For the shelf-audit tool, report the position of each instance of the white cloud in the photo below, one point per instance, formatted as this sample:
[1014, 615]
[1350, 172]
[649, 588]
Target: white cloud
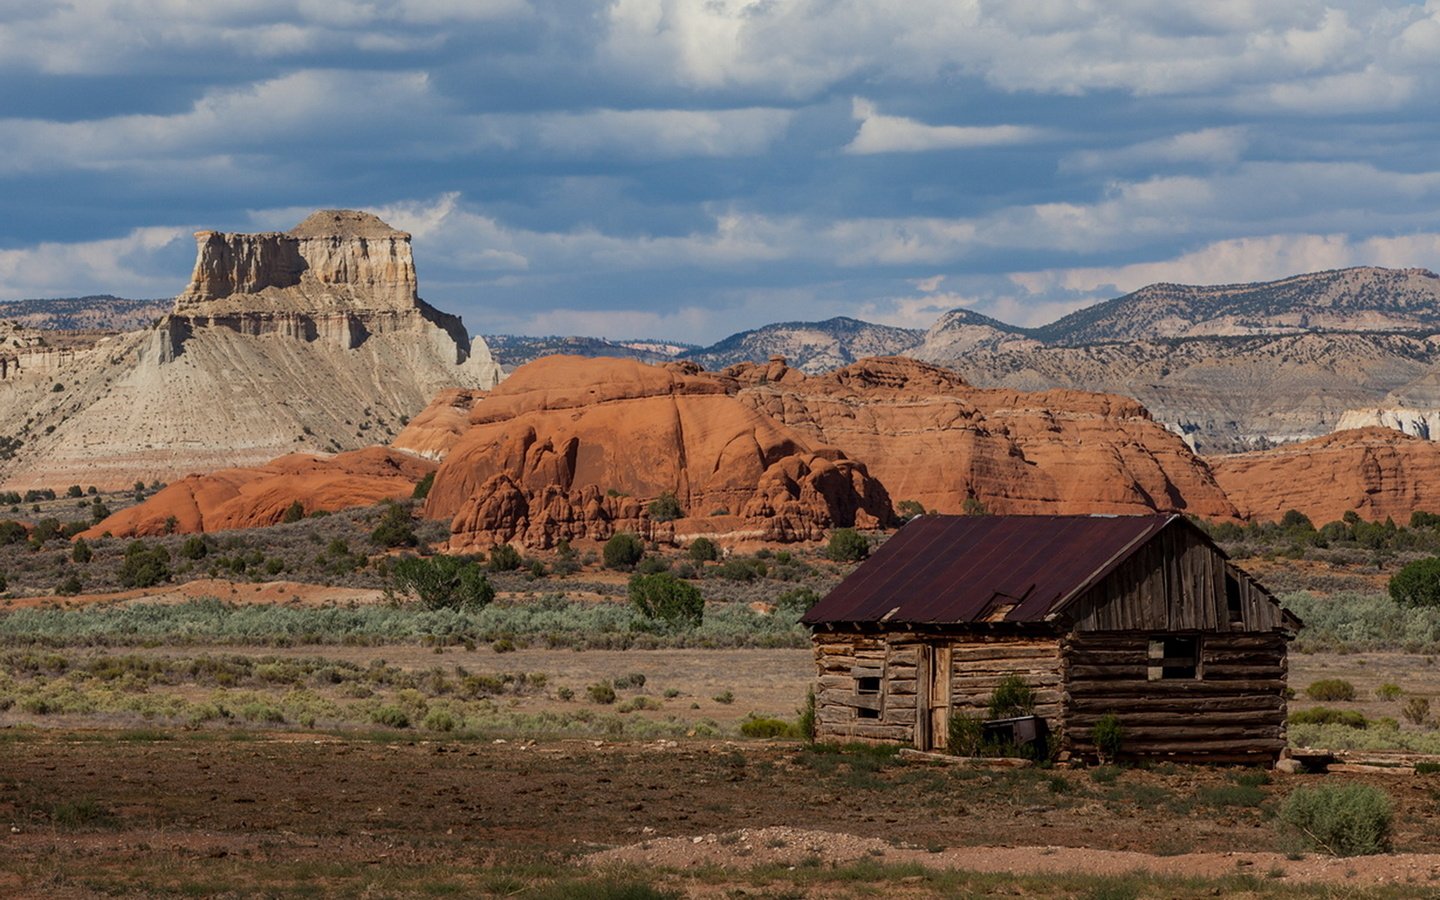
[894, 134]
[126, 266]
[638, 133]
[1261, 258]
[1223, 146]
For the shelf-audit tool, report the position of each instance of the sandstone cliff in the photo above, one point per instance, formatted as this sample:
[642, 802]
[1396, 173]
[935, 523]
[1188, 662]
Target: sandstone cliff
[313, 340]
[930, 437]
[253, 497]
[569, 448]
[1377, 472]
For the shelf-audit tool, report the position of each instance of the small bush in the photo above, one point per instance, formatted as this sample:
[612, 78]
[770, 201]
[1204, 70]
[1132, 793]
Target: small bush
[390, 717]
[665, 508]
[703, 550]
[623, 551]
[1012, 697]
[805, 724]
[1417, 584]
[847, 545]
[395, 529]
[652, 564]
[663, 597]
[440, 720]
[144, 565]
[966, 735]
[1108, 735]
[766, 727]
[1331, 690]
[443, 582]
[796, 602]
[504, 558]
[1416, 710]
[422, 489]
[1342, 820]
[70, 586]
[1324, 715]
[81, 552]
[194, 548]
[724, 698]
[633, 680]
[295, 512]
[601, 692]
[1388, 691]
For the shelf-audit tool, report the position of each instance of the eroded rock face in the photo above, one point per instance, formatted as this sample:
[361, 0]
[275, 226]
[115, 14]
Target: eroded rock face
[1377, 472]
[571, 448]
[334, 261]
[310, 340]
[929, 437]
[257, 496]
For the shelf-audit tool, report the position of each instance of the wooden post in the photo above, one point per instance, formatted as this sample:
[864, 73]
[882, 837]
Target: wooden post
[924, 681]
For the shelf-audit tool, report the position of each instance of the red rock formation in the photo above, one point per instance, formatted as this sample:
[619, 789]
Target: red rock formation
[571, 448]
[1377, 472]
[435, 430]
[260, 495]
[930, 437]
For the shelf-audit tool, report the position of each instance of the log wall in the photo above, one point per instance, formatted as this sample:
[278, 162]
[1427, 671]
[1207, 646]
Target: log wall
[977, 665]
[1233, 711]
[1175, 582]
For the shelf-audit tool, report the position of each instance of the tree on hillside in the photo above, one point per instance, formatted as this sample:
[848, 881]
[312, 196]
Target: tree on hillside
[1417, 584]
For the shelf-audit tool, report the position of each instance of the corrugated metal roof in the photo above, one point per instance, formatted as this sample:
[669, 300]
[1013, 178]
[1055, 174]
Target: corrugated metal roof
[953, 569]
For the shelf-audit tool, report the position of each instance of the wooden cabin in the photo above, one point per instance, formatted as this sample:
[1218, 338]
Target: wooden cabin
[1140, 616]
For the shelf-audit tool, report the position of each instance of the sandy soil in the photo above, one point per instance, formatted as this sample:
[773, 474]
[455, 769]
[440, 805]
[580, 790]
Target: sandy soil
[749, 847]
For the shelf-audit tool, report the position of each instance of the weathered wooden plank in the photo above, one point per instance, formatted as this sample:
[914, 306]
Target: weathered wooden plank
[1171, 688]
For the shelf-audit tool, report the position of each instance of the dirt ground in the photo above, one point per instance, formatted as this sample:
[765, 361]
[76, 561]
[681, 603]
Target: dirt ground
[89, 812]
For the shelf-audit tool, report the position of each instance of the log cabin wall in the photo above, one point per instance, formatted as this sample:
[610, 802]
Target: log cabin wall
[1176, 582]
[1232, 710]
[871, 686]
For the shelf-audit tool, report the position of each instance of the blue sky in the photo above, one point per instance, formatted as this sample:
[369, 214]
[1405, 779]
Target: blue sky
[690, 169]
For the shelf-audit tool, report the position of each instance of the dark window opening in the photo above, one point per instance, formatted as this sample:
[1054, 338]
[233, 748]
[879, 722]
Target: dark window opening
[1174, 658]
[1232, 600]
[863, 713]
[869, 684]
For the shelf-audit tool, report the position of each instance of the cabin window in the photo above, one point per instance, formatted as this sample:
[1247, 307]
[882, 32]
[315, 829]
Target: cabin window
[1174, 658]
[867, 686]
[1232, 600]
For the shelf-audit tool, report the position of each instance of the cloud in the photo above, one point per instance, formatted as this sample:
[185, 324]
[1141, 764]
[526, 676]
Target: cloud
[139, 264]
[638, 133]
[1221, 146]
[894, 134]
[1262, 258]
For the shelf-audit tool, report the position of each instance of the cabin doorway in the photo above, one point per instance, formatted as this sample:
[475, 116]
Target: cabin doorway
[932, 701]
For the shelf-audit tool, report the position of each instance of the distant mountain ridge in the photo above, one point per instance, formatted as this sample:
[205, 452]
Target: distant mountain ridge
[99, 312]
[812, 347]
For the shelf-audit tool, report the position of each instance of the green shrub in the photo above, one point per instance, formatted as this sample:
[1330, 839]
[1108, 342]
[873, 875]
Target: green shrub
[443, 582]
[422, 489]
[295, 512]
[1417, 584]
[194, 547]
[70, 586]
[796, 602]
[966, 735]
[601, 692]
[847, 545]
[766, 727]
[390, 716]
[504, 558]
[81, 552]
[623, 551]
[1340, 819]
[909, 509]
[12, 532]
[144, 565]
[665, 508]
[703, 550]
[1388, 691]
[1331, 690]
[394, 529]
[805, 724]
[739, 570]
[1324, 715]
[440, 720]
[725, 698]
[1108, 735]
[652, 564]
[1012, 697]
[665, 598]
[74, 491]
[632, 680]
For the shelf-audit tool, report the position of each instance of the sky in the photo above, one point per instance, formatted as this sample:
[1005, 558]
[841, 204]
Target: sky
[685, 170]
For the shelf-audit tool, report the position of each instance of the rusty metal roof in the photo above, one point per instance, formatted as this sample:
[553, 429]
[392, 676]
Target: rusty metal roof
[952, 569]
